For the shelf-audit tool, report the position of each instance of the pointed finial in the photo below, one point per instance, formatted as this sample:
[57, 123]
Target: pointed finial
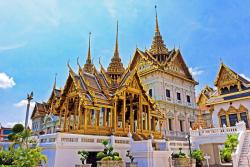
[221, 61]
[79, 66]
[88, 61]
[156, 21]
[69, 65]
[54, 87]
[100, 60]
[116, 54]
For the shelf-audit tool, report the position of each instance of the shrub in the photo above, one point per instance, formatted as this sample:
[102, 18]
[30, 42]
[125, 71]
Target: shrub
[6, 157]
[107, 153]
[107, 158]
[100, 155]
[198, 155]
[83, 156]
[18, 128]
[229, 147]
[23, 155]
[130, 156]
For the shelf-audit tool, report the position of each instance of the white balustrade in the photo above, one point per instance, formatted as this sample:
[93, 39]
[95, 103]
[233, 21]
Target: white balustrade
[74, 138]
[239, 129]
[219, 131]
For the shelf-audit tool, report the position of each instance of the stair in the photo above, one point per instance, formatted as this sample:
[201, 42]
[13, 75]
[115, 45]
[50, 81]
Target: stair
[243, 162]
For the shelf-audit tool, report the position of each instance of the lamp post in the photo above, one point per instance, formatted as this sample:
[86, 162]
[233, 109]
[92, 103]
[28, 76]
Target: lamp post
[29, 98]
[189, 146]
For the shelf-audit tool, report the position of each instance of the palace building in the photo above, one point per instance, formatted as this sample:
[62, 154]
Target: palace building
[224, 110]
[169, 82]
[105, 102]
[229, 102]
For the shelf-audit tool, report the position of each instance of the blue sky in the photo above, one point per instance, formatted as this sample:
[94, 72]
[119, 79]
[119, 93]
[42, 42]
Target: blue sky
[37, 38]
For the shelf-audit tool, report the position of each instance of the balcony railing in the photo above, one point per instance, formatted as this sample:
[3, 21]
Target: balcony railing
[219, 131]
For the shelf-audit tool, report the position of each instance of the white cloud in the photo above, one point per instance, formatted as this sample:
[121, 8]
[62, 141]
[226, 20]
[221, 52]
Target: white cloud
[196, 71]
[244, 76]
[6, 81]
[116, 9]
[23, 103]
[12, 46]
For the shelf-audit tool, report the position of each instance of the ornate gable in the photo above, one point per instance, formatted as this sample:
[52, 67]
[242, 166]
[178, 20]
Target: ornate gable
[225, 77]
[202, 100]
[178, 65]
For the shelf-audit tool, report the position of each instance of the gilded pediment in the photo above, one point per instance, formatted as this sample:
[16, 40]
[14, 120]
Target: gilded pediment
[226, 78]
[202, 100]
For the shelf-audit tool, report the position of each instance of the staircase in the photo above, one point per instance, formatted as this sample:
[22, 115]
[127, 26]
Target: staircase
[243, 162]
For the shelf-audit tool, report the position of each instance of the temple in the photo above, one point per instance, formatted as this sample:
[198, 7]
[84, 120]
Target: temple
[105, 102]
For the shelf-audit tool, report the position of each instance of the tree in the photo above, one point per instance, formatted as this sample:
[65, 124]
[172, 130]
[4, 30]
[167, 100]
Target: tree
[24, 152]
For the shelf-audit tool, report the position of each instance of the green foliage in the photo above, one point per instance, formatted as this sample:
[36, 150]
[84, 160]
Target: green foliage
[117, 158]
[130, 156]
[24, 155]
[198, 155]
[105, 142]
[100, 155]
[179, 155]
[6, 157]
[83, 156]
[107, 153]
[28, 157]
[107, 158]
[229, 147]
[18, 128]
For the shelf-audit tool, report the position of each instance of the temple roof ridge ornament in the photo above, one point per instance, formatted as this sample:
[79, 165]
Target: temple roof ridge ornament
[158, 47]
[88, 66]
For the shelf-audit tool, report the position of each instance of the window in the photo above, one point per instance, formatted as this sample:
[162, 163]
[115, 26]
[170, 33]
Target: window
[181, 125]
[167, 93]
[101, 116]
[170, 124]
[233, 119]
[191, 124]
[178, 96]
[150, 92]
[223, 120]
[188, 99]
[243, 117]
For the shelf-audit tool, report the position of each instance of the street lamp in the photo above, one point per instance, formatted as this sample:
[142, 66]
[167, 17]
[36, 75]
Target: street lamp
[189, 146]
[29, 98]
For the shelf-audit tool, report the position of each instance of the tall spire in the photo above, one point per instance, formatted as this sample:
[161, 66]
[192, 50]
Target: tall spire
[158, 47]
[157, 30]
[88, 61]
[88, 66]
[54, 86]
[115, 68]
[116, 53]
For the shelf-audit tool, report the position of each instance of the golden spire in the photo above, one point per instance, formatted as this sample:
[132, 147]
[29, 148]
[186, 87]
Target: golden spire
[88, 66]
[116, 53]
[54, 86]
[115, 68]
[156, 21]
[158, 47]
[88, 61]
